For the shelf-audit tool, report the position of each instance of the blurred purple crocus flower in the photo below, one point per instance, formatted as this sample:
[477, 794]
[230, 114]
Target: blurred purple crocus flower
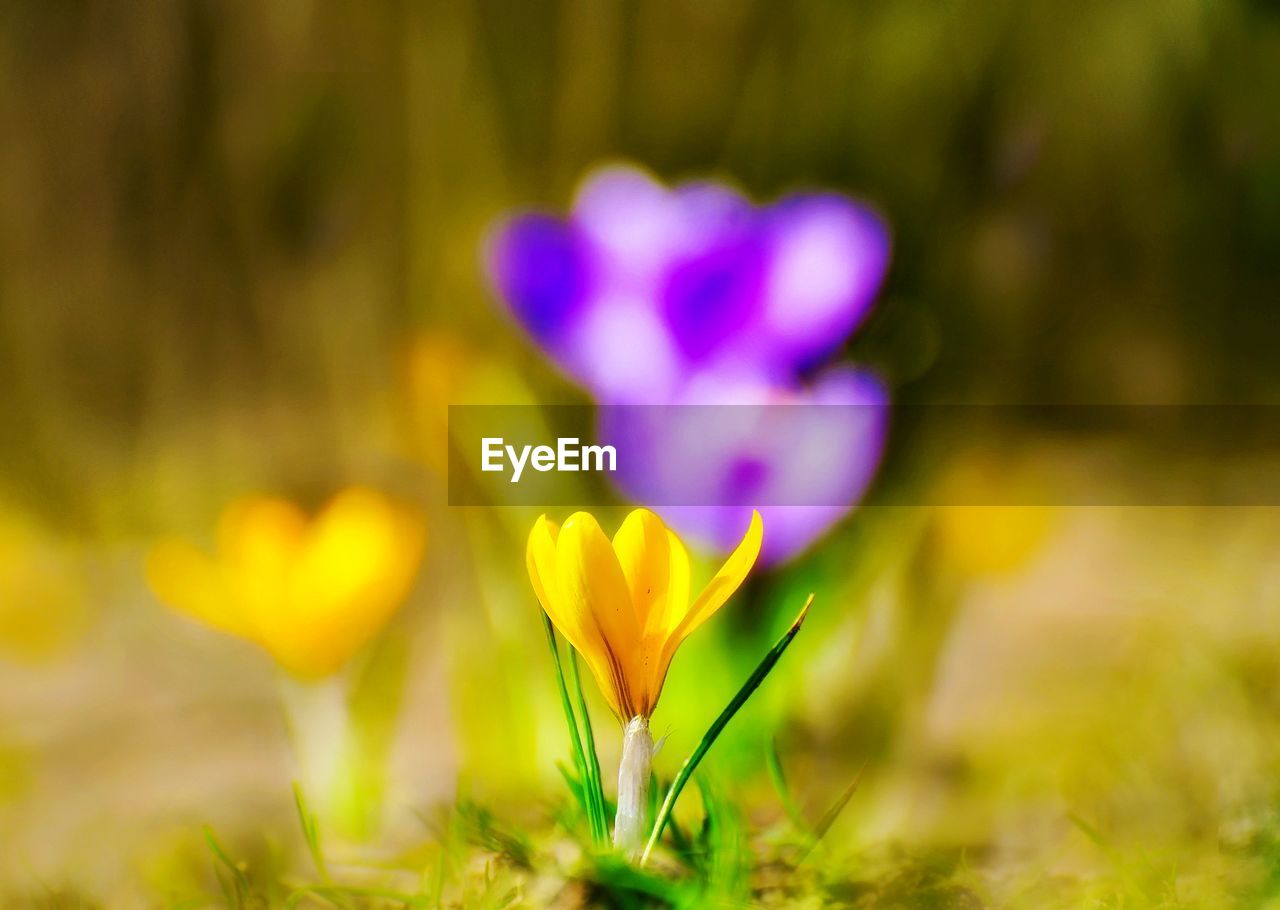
[643, 287]
[692, 295]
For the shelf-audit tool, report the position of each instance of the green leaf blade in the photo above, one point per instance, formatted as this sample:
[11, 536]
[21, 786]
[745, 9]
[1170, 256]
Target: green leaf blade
[753, 682]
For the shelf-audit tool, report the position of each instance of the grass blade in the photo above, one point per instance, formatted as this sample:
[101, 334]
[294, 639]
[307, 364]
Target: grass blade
[773, 761]
[599, 831]
[310, 831]
[575, 741]
[238, 891]
[717, 726]
[829, 817]
[592, 784]
[572, 782]
[1138, 887]
[618, 883]
[724, 862]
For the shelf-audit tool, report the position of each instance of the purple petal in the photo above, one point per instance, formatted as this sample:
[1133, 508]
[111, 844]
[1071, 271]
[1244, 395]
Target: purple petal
[542, 269]
[828, 258]
[711, 296]
[632, 220]
[709, 210]
[705, 466]
[624, 354]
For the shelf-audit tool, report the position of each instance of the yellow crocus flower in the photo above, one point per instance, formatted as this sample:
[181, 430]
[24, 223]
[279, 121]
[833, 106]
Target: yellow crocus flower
[312, 592]
[624, 605]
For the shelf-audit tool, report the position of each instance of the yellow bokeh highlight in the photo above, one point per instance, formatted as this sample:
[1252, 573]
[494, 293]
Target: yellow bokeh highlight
[992, 540]
[312, 592]
[443, 369]
[42, 602]
[992, 523]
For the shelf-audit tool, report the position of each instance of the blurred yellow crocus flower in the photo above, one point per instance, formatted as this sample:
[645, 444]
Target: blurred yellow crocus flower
[624, 605]
[312, 592]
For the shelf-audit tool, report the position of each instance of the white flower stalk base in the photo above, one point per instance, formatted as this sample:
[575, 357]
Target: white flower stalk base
[631, 827]
[319, 723]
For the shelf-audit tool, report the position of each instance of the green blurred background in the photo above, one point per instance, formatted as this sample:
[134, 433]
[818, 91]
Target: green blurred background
[220, 221]
[227, 229]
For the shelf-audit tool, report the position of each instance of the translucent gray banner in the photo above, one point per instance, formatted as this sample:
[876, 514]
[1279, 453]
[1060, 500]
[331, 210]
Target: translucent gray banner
[841, 455]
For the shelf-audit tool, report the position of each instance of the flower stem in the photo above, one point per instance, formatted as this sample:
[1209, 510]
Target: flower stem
[631, 824]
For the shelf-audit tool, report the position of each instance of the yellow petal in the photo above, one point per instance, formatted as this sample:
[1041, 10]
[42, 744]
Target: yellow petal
[722, 586]
[258, 544]
[644, 554]
[656, 656]
[260, 533]
[593, 590]
[190, 582]
[656, 567]
[540, 557]
[579, 630]
[678, 581]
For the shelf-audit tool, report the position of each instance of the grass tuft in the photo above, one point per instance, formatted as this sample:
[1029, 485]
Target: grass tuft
[234, 881]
